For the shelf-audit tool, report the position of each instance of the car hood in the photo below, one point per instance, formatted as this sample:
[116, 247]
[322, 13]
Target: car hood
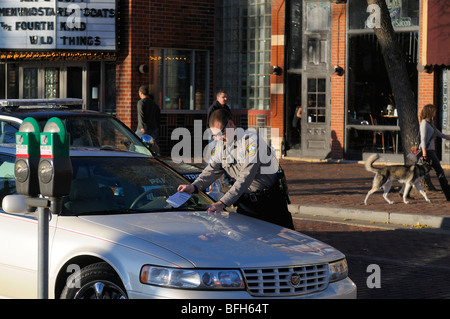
[224, 240]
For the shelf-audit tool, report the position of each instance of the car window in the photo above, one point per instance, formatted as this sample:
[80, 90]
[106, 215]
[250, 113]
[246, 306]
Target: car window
[102, 132]
[110, 185]
[87, 131]
[8, 130]
[7, 181]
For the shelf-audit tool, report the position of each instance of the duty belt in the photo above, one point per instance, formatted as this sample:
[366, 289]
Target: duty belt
[253, 196]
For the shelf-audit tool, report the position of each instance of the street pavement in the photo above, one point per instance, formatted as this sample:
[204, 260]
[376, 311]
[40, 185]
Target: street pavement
[338, 189]
[412, 256]
[413, 263]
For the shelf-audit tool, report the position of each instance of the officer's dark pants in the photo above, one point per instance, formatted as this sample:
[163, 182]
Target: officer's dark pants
[270, 206]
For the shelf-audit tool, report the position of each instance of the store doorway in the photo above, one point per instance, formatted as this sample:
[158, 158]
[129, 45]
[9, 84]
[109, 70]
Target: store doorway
[316, 116]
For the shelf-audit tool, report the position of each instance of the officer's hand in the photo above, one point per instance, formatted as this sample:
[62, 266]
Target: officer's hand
[186, 189]
[217, 207]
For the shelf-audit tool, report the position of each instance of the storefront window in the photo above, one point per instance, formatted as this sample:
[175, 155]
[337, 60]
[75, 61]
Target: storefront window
[370, 93]
[243, 47]
[12, 74]
[404, 13]
[51, 83]
[110, 88]
[2, 83]
[30, 83]
[295, 33]
[179, 78]
[372, 115]
[94, 86]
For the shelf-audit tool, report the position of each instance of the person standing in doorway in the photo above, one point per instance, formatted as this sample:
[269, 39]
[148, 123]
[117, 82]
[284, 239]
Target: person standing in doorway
[148, 114]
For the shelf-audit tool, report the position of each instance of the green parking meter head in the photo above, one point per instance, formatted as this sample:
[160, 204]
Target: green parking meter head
[54, 139]
[27, 138]
[27, 158]
[55, 167]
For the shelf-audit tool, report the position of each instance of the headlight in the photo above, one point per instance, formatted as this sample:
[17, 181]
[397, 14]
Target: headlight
[192, 278]
[338, 270]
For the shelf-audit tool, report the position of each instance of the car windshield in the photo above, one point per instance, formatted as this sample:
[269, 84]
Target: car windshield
[88, 132]
[120, 185]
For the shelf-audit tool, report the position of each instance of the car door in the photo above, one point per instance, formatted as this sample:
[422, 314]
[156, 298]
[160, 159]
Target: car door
[18, 242]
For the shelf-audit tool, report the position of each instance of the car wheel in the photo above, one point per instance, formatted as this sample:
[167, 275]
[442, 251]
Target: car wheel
[96, 281]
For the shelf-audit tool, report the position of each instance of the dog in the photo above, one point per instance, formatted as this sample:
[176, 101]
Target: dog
[410, 175]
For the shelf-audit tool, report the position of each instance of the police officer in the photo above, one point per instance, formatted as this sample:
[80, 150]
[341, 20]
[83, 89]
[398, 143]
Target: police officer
[249, 161]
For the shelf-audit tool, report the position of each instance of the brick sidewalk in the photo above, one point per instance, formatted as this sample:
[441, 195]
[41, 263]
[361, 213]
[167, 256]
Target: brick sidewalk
[345, 185]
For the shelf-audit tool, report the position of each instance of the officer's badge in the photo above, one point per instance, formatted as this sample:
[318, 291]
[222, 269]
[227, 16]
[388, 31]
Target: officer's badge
[252, 149]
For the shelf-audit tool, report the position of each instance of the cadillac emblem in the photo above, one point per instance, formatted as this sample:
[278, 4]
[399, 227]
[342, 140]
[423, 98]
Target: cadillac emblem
[295, 280]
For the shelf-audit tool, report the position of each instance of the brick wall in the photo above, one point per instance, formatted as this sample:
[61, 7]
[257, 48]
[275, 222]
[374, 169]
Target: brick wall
[338, 57]
[426, 80]
[161, 24]
[277, 89]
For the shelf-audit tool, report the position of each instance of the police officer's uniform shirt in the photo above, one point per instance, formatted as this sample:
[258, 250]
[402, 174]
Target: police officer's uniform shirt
[247, 159]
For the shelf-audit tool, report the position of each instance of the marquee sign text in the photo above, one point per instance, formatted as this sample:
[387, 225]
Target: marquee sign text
[58, 24]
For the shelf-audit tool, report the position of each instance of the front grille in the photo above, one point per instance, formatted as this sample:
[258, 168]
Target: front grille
[286, 281]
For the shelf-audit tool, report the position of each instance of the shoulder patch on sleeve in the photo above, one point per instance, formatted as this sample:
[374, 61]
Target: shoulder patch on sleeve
[252, 149]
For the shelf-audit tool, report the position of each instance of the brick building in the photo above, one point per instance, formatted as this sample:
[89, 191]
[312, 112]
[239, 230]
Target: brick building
[269, 55]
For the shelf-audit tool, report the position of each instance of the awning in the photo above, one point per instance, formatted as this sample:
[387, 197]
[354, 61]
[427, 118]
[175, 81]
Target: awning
[438, 35]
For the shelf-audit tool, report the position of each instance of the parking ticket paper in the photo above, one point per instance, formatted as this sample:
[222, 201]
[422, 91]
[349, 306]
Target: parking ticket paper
[178, 199]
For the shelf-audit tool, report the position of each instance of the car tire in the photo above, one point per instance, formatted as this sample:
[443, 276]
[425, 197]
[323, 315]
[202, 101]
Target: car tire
[96, 281]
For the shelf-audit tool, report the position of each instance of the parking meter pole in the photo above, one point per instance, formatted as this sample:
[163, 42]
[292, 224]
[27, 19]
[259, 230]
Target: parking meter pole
[43, 215]
[42, 205]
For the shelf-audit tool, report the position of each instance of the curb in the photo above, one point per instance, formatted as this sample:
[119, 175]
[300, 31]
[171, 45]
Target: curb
[372, 216]
[345, 161]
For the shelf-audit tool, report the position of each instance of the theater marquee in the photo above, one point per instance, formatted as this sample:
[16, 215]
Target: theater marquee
[58, 24]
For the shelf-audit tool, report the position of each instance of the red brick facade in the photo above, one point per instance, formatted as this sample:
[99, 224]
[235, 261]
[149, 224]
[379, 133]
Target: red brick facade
[338, 58]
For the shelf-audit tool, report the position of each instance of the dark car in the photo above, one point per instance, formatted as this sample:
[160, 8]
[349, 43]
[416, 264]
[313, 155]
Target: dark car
[88, 129]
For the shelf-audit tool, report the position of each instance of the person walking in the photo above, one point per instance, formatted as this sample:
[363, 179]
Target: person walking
[219, 103]
[428, 134]
[148, 114]
[258, 190]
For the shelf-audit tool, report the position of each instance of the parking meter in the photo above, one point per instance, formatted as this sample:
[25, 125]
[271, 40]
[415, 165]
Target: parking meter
[55, 167]
[27, 158]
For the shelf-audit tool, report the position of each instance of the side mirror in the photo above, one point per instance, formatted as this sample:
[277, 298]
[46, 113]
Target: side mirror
[147, 139]
[150, 143]
[14, 204]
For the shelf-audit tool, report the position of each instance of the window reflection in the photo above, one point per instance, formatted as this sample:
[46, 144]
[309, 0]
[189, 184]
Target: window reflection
[179, 78]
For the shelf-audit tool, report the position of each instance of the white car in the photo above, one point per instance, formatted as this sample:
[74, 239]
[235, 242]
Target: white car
[117, 237]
